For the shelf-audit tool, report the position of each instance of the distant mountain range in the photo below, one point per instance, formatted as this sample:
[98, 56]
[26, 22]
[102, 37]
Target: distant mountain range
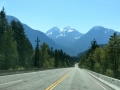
[32, 35]
[77, 41]
[65, 36]
[99, 33]
[68, 39]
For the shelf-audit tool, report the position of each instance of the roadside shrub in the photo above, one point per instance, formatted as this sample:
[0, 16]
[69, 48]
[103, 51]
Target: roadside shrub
[20, 68]
[98, 68]
[109, 73]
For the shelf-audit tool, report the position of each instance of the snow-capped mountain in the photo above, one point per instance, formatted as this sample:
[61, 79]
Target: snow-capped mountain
[70, 32]
[99, 33]
[53, 32]
[64, 36]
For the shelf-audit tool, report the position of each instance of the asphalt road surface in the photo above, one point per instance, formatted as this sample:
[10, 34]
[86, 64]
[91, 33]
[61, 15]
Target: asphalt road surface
[55, 79]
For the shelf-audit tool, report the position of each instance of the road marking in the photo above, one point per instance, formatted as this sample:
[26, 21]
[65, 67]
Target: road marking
[58, 81]
[12, 82]
[42, 74]
[97, 83]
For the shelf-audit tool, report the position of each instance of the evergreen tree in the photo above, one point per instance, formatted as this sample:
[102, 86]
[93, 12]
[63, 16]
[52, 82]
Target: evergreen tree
[37, 54]
[24, 46]
[61, 57]
[2, 60]
[97, 57]
[93, 47]
[105, 59]
[10, 50]
[44, 52]
[56, 61]
[3, 22]
[114, 51]
[3, 28]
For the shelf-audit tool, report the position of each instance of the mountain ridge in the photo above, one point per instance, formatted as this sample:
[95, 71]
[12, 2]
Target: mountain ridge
[32, 36]
[99, 33]
[66, 39]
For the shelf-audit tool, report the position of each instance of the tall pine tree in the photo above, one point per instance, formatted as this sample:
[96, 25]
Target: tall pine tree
[24, 46]
[114, 51]
[10, 50]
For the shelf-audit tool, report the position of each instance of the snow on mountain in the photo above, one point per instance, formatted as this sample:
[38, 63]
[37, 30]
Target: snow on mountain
[49, 33]
[100, 29]
[64, 36]
[76, 37]
[61, 32]
[68, 29]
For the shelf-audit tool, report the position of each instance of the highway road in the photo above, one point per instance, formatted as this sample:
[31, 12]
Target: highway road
[55, 79]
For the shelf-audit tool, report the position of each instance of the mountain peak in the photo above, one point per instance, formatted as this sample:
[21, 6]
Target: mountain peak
[65, 36]
[100, 30]
[55, 28]
[67, 29]
[97, 27]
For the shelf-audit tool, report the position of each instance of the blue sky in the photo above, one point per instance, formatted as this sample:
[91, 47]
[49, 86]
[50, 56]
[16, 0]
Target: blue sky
[80, 14]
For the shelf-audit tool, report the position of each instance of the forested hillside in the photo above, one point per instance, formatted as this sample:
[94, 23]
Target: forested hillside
[104, 60]
[16, 51]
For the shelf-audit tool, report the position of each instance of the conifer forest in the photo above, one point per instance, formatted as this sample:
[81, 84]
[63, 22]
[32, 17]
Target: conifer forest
[17, 53]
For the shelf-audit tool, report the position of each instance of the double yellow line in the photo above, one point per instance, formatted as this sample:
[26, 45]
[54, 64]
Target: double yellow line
[57, 82]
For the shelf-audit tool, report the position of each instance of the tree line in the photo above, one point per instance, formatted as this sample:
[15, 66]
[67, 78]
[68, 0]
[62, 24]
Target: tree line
[104, 60]
[46, 57]
[16, 51]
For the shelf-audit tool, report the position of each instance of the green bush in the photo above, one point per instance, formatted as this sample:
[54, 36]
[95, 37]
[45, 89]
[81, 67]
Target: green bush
[109, 73]
[20, 68]
[46, 64]
[98, 68]
[11, 69]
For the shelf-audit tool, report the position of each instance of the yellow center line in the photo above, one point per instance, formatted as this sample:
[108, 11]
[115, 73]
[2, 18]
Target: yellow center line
[58, 81]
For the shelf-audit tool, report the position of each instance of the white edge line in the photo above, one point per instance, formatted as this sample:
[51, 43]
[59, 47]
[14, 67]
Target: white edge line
[97, 83]
[11, 82]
